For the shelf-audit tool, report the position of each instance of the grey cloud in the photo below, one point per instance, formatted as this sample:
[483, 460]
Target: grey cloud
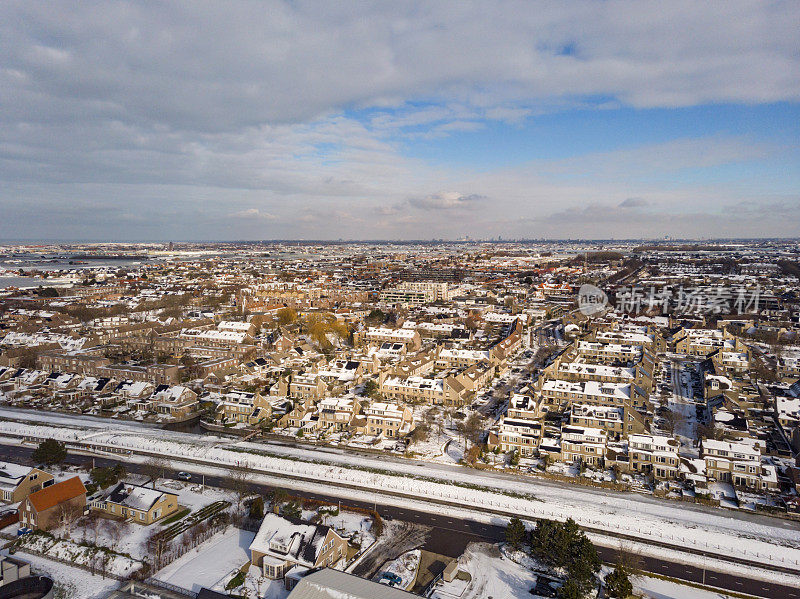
[633, 203]
[446, 201]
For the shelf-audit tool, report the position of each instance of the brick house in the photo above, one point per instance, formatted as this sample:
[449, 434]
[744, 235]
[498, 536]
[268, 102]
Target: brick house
[42, 509]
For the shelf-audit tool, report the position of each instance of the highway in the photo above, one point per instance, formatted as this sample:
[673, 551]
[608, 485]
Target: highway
[450, 535]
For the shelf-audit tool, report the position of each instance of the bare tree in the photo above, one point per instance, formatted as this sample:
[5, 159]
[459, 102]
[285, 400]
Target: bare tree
[66, 515]
[240, 482]
[630, 559]
[471, 429]
[672, 420]
[157, 546]
[154, 468]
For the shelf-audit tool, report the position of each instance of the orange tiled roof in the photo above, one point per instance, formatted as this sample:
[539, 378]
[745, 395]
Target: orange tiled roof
[50, 496]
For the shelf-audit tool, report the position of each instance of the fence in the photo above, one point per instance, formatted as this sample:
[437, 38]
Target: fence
[154, 582]
[445, 492]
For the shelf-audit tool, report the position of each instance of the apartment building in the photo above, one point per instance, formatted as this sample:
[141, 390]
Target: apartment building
[609, 353]
[461, 358]
[702, 342]
[557, 392]
[381, 335]
[417, 389]
[416, 293]
[654, 454]
[788, 365]
[388, 420]
[617, 421]
[739, 463]
[584, 445]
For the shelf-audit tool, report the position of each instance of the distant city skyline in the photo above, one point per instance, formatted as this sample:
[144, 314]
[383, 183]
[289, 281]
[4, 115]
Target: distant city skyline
[323, 121]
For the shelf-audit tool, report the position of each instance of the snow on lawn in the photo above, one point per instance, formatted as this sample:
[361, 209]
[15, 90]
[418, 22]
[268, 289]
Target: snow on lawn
[211, 562]
[70, 551]
[196, 496]
[257, 585]
[752, 536]
[491, 574]
[85, 585]
[355, 527]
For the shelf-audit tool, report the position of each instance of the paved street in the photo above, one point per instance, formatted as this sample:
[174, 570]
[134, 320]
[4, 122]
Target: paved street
[450, 535]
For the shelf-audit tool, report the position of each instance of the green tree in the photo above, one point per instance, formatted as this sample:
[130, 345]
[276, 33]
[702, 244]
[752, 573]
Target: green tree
[50, 452]
[565, 546]
[515, 533]
[292, 511]
[618, 584]
[571, 590]
[370, 388]
[257, 508]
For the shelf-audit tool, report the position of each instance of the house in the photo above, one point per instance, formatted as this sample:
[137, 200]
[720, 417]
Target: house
[281, 544]
[583, 444]
[654, 454]
[388, 420]
[336, 413]
[17, 481]
[137, 503]
[43, 508]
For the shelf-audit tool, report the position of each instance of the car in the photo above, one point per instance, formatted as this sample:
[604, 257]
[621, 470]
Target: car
[391, 578]
[184, 476]
[21, 532]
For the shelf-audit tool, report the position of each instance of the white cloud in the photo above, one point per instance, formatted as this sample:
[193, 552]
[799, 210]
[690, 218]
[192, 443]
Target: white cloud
[243, 113]
[449, 200]
[253, 213]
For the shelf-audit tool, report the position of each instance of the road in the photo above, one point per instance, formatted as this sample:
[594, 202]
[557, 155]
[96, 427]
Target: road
[640, 508]
[450, 535]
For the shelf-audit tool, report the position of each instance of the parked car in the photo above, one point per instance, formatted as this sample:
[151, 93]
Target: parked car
[21, 532]
[391, 579]
[184, 476]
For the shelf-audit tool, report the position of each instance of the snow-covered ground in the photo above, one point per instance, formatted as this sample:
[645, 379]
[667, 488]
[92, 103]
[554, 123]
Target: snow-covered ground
[211, 562]
[71, 551]
[82, 584]
[655, 588]
[405, 567]
[492, 575]
[751, 536]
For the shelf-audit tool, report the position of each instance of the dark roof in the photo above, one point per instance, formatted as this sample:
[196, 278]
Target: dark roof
[209, 594]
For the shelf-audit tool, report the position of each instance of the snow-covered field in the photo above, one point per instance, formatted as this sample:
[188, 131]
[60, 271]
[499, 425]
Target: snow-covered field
[753, 537]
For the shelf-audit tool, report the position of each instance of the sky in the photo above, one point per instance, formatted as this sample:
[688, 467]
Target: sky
[199, 120]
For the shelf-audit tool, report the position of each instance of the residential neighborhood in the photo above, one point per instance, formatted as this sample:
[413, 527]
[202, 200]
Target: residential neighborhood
[219, 362]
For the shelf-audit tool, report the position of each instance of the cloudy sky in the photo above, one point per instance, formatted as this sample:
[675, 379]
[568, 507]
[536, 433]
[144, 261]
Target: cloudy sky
[387, 120]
